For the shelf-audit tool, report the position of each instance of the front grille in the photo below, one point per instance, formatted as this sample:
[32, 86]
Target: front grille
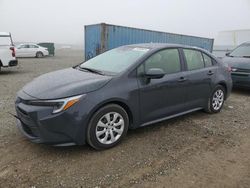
[27, 130]
[28, 124]
[240, 74]
[30, 129]
[22, 111]
[244, 70]
[239, 70]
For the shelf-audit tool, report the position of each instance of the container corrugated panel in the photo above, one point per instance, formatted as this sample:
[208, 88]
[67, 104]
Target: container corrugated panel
[50, 46]
[92, 40]
[102, 37]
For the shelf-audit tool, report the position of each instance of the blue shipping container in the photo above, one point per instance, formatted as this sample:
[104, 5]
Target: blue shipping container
[102, 37]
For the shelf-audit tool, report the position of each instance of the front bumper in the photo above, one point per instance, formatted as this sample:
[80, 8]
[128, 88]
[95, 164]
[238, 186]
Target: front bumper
[39, 125]
[241, 80]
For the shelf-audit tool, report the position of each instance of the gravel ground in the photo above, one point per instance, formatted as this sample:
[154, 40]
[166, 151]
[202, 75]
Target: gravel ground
[195, 150]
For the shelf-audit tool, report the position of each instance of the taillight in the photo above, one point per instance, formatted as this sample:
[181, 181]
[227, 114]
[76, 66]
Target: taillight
[13, 51]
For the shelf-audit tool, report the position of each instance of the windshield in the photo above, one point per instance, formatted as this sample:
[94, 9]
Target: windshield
[116, 60]
[241, 51]
[5, 41]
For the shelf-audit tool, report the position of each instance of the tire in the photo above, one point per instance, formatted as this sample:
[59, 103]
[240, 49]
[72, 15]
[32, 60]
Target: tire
[216, 100]
[39, 54]
[103, 126]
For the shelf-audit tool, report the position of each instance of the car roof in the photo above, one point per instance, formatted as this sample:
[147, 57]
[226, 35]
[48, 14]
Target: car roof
[159, 46]
[163, 45]
[28, 44]
[4, 34]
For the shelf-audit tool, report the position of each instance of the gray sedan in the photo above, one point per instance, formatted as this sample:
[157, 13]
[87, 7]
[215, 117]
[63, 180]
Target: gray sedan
[125, 88]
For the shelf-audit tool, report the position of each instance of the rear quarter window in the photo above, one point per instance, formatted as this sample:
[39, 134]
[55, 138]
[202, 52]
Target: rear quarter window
[207, 60]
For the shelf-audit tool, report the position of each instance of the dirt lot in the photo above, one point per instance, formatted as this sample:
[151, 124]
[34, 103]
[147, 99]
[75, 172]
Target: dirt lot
[196, 150]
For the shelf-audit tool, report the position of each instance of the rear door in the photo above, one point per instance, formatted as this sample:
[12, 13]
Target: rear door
[200, 74]
[33, 50]
[165, 96]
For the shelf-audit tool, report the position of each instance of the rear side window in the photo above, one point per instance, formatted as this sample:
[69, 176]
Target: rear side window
[33, 46]
[168, 60]
[207, 60]
[194, 59]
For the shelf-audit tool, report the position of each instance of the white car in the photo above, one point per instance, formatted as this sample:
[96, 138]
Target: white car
[7, 51]
[31, 50]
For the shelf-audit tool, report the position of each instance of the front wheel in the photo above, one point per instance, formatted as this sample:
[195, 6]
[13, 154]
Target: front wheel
[107, 127]
[216, 100]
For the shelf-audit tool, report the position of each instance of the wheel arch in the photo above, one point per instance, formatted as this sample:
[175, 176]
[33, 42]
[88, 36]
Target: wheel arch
[223, 84]
[121, 103]
[39, 52]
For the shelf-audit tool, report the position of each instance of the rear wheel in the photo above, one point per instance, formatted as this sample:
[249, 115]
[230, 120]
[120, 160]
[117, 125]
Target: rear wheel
[107, 127]
[216, 100]
[39, 54]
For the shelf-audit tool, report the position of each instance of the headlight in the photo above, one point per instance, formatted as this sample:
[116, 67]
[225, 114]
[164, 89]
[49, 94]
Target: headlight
[59, 105]
[234, 69]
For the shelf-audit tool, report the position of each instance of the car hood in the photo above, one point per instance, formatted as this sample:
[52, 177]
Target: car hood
[64, 83]
[237, 62]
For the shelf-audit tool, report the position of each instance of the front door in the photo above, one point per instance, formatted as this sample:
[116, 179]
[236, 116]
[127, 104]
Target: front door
[165, 96]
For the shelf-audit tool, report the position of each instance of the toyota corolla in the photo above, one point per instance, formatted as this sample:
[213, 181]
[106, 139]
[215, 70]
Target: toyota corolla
[132, 86]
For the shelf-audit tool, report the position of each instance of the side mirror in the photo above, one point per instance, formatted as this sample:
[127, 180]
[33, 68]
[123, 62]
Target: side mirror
[228, 54]
[155, 73]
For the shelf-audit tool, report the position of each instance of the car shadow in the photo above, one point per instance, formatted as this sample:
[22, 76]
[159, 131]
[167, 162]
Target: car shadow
[35, 57]
[8, 72]
[166, 123]
[132, 134]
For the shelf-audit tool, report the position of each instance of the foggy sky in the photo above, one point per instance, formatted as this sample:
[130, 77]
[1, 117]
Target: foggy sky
[62, 21]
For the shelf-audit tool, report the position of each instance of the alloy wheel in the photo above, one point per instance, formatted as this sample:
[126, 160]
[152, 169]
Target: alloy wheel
[109, 128]
[218, 99]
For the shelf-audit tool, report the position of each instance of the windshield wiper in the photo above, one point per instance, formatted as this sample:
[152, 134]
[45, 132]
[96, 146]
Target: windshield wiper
[246, 56]
[91, 70]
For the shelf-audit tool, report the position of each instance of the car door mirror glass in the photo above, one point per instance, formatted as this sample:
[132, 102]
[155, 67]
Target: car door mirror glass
[155, 73]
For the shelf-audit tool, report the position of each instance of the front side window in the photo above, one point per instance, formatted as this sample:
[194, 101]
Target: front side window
[23, 46]
[116, 60]
[168, 60]
[194, 59]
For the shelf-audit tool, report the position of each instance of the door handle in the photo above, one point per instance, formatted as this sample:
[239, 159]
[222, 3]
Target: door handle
[182, 79]
[210, 72]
